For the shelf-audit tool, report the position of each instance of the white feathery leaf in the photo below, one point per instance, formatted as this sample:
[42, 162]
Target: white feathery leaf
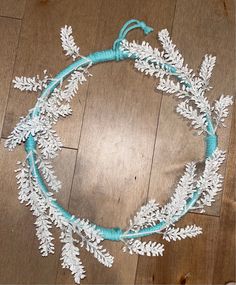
[52, 108]
[30, 193]
[148, 215]
[49, 143]
[23, 181]
[76, 78]
[70, 256]
[170, 87]
[172, 55]
[48, 173]
[189, 231]
[22, 130]
[144, 248]
[68, 42]
[210, 183]
[170, 62]
[221, 109]
[30, 83]
[183, 192]
[151, 213]
[198, 121]
[206, 70]
[57, 218]
[44, 235]
[90, 239]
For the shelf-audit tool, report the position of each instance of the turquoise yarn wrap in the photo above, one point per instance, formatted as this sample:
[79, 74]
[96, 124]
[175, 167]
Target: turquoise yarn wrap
[114, 54]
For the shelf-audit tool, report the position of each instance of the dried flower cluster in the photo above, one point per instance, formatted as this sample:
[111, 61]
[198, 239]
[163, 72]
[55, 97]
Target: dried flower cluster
[151, 218]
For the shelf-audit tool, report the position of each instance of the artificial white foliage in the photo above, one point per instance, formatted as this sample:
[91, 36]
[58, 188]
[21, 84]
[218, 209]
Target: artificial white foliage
[91, 239]
[49, 143]
[175, 77]
[53, 108]
[198, 121]
[48, 173]
[146, 216]
[31, 83]
[23, 129]
[43, 224]
[206, 70]
[190, 88]
[41, 205]
[70, 256]
[221, 109]
[171, 55]
[68, 42]
[144, 248]
[210, 182]
[24, 182]
[76, 78]
[174, 234]
[184, 190]
[29, 192]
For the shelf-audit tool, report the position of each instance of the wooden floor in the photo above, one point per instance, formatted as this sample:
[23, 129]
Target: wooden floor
[124, 144]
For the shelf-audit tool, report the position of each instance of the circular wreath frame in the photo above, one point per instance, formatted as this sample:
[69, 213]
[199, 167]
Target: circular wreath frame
[96, 233]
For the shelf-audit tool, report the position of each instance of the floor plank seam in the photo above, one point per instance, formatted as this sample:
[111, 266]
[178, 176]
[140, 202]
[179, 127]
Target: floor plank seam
[9, 17]
[10, 83]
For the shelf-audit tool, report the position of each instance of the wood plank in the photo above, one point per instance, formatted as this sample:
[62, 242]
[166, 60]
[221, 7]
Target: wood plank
[224, 270]
[202, 30]
[9, 30]
[12, 8]
[40, 49]
[188, 261]
[117, 140]
[20, 261]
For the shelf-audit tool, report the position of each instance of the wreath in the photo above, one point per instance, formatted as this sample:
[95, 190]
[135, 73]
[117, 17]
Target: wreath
[36, 177]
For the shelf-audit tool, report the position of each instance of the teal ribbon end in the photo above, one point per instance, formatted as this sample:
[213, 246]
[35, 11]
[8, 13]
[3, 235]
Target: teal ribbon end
[129, 26]
[146, 29]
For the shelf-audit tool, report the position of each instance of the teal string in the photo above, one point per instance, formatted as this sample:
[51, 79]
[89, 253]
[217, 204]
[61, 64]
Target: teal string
[129, 26]
[211, 142]
[114, 234]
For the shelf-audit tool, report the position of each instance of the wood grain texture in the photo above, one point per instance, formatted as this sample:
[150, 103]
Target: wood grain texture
[12, 8]
[225, 266]
[199, 28]
[20, 260]
[127, 136]
[189, 261]
[117, 139]
[9, 30]
[40, 49]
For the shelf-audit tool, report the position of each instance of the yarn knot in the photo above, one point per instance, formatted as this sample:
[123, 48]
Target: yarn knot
[128, 26]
